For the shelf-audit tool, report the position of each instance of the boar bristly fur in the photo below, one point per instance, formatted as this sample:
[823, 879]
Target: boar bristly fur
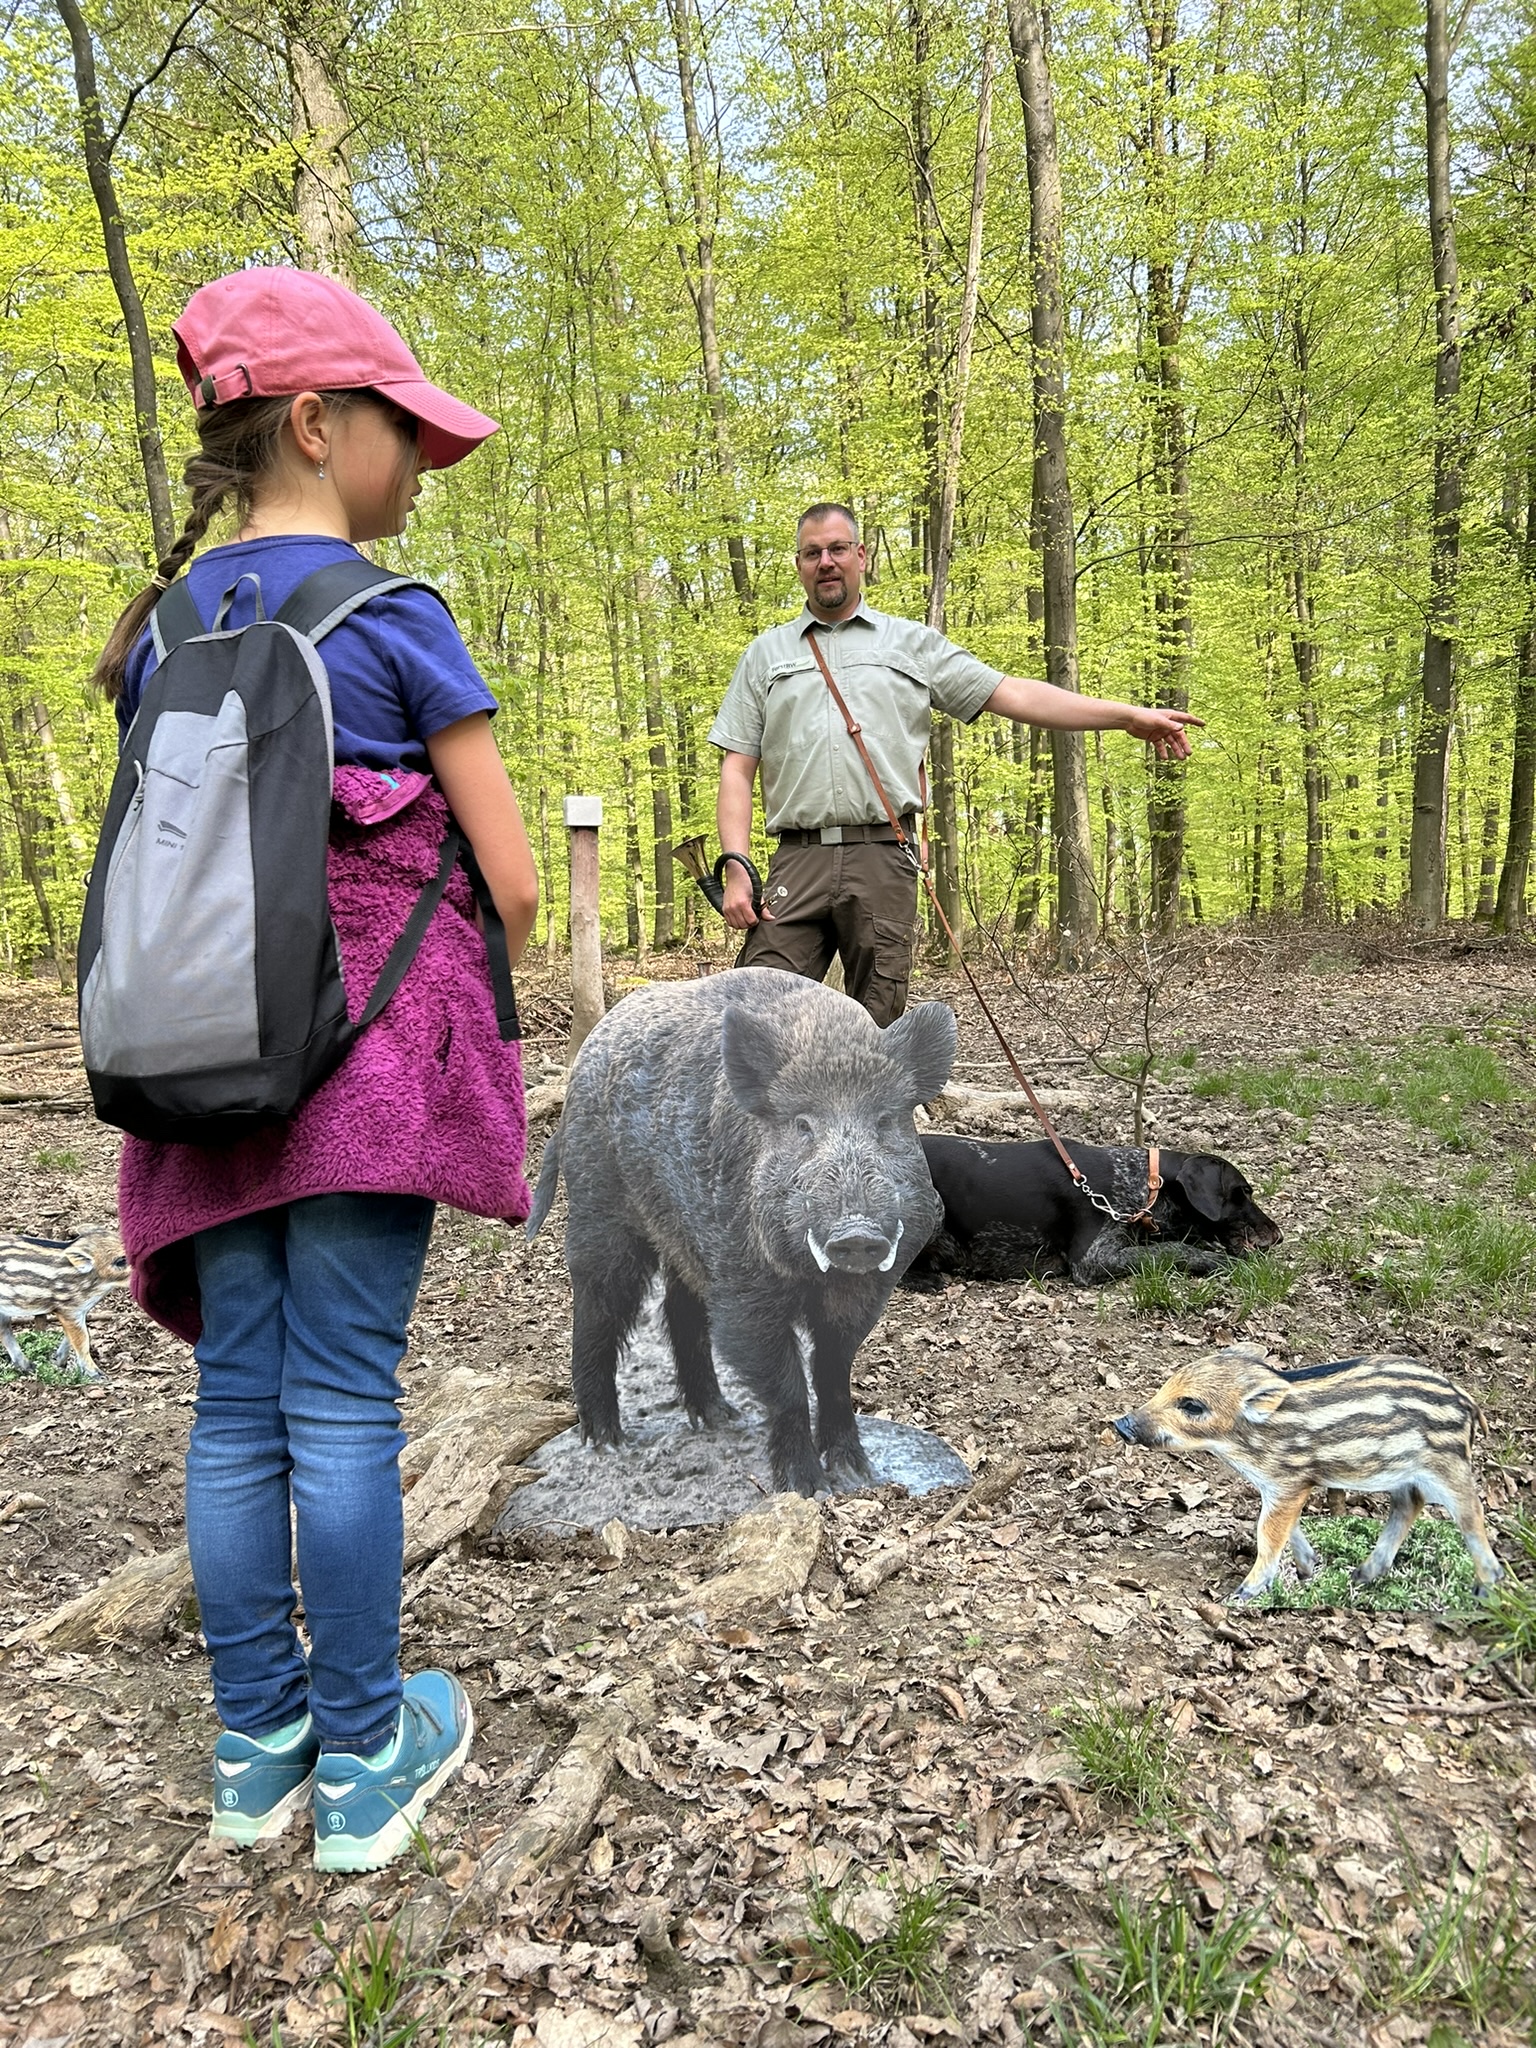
[1360, 1425]
[750, 1136]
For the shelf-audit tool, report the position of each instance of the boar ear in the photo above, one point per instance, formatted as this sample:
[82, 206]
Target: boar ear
[924, 1042]
[752, 1056]
[1259, 1405]
[1254, 1353]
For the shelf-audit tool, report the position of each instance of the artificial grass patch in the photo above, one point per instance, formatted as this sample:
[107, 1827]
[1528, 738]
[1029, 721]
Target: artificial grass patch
[1432, 1574]
[40, 1348]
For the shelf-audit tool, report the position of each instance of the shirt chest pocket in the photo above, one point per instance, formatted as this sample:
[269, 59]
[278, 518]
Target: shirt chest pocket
[790, 678]
[890, 696]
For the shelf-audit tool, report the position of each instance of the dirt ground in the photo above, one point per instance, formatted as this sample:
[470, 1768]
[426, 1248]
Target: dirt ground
[1336, 1773]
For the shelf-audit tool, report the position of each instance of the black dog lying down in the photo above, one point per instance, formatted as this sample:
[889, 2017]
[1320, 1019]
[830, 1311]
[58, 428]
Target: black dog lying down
[1012, 1212]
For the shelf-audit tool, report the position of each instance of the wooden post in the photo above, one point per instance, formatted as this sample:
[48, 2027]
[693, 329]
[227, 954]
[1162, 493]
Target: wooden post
[583, 816]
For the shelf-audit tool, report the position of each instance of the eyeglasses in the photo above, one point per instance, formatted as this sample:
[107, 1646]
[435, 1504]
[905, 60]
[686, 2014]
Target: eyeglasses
[839, 551]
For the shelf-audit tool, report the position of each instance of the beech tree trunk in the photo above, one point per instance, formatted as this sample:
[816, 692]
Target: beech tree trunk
[1509, 907]
[1077, 909]
[701, 289]
[321, 129]
[949, 477]
[141, 359]
[930, 513]
[1431, 760]
[941, 528]
[1314, 900]
[1171, 561]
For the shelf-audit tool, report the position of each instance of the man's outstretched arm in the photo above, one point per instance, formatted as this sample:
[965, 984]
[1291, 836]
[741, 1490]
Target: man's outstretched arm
[1028, 702]
[733, 822]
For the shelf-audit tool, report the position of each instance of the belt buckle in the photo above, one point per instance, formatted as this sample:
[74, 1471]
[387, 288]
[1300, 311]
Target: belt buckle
[831, 835]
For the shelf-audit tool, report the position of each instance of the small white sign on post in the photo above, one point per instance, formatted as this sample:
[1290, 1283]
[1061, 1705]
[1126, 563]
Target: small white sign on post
[583, 817]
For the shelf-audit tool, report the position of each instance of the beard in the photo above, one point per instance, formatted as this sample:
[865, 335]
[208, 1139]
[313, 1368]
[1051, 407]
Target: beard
[831, 592]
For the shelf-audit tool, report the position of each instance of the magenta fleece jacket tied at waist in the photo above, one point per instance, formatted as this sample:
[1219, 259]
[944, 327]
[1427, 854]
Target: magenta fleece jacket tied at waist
[429, 1101]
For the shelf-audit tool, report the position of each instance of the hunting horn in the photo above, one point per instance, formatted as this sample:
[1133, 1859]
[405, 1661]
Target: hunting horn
[691, 852]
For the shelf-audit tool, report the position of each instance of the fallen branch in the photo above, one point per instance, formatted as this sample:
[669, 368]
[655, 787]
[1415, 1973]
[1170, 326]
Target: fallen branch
[995, 1105]
[476, 1466]
[140, 1599]
[471, 1431]
[1433, 1707]
[562, 1809]
[769, 1554]
[548, 1099]
[863, 1579]
[459, 1472]
[564, 1803]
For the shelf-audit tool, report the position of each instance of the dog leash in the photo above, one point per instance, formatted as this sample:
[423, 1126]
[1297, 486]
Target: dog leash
[920, 864]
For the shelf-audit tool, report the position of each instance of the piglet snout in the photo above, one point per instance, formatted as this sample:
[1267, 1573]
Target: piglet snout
[1126, 1426]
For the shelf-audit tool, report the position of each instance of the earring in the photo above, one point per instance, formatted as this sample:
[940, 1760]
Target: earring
[320, 471]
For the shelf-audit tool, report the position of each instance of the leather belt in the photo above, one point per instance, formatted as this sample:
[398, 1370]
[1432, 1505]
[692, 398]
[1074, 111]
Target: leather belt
[847, 835]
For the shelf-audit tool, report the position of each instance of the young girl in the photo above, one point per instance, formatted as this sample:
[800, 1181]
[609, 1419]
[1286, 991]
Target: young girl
[292, 1258]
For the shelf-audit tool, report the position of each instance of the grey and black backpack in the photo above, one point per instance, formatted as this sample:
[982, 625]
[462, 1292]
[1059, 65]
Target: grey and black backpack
[211, 997]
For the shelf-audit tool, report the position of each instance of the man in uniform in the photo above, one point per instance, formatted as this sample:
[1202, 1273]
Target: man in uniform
[840, 884]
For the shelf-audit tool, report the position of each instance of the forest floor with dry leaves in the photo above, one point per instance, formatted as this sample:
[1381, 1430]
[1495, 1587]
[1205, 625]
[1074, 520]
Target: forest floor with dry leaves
[1338, 1841]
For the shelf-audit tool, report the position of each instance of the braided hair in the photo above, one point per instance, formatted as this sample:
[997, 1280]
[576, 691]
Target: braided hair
[239, 447]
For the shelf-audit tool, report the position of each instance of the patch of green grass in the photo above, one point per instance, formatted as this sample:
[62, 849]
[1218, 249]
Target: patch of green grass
[1420, 1253]
[1162, 1977]
[1511, 1612]
[1464, 1948]
[1122, 1751]
[1525, 1180]
[1279, 1087]
[57, 1162]
[372, 1980]
[1262, 1280]
[1430, 1083]
[1432, 1574]
[882, 1937]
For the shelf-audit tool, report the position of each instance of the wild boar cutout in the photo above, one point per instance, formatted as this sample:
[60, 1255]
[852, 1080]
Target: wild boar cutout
[750, 1137]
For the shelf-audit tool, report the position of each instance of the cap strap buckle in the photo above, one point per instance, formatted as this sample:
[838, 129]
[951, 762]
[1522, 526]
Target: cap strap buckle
[210, 392]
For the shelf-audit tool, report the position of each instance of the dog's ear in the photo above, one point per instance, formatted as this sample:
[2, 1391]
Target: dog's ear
[1207, 1183]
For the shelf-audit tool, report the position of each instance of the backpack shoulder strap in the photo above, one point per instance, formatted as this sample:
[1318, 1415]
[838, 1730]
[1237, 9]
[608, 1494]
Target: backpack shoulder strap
[174, 619]
[329, 595]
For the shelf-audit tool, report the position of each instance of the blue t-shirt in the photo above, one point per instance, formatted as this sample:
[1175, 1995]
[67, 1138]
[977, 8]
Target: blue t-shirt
[398, 669]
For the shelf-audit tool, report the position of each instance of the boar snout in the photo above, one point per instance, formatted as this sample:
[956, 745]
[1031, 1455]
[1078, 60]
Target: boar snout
[856, 1245]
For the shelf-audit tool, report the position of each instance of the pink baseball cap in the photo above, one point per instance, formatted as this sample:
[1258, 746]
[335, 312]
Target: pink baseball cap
[269, 333]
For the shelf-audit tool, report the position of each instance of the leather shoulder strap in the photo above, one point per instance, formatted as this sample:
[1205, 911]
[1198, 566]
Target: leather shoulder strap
[856, 734]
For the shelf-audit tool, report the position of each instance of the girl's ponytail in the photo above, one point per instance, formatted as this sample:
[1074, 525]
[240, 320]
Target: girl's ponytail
[239, 450]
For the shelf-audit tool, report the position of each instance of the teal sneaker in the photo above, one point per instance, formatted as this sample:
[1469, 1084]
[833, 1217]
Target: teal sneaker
[368, 1808]
[260, 1782]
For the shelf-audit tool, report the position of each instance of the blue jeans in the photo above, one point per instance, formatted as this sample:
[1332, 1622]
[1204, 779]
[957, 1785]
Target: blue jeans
[304, 1316]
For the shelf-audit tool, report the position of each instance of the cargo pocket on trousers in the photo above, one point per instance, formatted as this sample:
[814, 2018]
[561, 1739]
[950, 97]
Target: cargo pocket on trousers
[893, 950]
[886, 996]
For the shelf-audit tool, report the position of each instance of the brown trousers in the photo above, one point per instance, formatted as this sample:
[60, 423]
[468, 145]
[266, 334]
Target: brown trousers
[857, 903]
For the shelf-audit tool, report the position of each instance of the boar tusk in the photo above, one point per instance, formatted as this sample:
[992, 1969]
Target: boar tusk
[816, 1251]
[889, 1260]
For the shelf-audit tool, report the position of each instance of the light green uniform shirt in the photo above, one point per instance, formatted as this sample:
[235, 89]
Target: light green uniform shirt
[891, 671]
